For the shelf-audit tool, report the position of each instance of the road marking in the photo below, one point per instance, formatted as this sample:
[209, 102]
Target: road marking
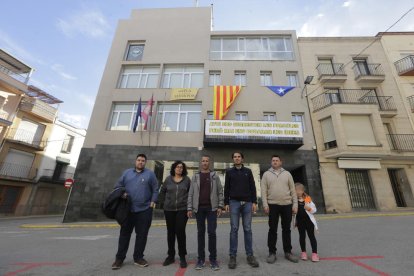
[30, 266]
[355, 260]
[193, 222]
[84, 238]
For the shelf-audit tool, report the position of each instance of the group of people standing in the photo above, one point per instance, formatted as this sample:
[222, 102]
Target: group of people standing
[203, 197]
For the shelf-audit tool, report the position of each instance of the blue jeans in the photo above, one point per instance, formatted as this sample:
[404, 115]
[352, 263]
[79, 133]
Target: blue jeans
[245, 210]
[211, 216]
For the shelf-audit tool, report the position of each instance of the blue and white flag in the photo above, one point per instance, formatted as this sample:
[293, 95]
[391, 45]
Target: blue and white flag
[280, 90]
[134, 128]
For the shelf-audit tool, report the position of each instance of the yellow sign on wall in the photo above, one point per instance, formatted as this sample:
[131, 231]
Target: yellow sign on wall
[183, 94]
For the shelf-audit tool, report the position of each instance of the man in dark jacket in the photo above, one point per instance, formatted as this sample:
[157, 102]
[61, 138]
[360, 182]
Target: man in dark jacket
[142, 187]
[240, 199]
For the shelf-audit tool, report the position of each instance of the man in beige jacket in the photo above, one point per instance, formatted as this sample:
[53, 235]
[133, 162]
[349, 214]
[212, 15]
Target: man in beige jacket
[279, 199]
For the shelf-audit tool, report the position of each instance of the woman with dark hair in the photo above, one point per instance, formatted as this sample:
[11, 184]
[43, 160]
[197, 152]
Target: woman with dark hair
[174, 193]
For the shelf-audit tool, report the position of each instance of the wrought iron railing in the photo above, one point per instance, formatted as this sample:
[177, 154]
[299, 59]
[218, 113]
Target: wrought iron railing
[15, 170]
[22, 77]
[368, 69]
[411, 102]
[353, 96]
[331, 69]
[405, 64]
[401, 142]
[26, 137]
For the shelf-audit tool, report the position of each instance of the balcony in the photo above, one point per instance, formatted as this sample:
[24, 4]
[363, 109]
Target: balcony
[52, 176]
[265, 134]
[411, 102]
[38, 108]
[405, 66]
[5, 118]
[354, 96]
[401, 142]
[366, 73]
[16, 171]
[27, 138]
[331, 73]
[14, 68]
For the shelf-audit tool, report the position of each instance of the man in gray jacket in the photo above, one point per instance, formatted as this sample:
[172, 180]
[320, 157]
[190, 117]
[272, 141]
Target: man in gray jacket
[205, 198]
[279, 199]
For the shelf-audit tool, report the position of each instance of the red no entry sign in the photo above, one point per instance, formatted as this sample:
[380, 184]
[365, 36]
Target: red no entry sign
[68, 183]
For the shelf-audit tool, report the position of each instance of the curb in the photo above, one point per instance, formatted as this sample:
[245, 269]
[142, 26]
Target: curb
[220, 221]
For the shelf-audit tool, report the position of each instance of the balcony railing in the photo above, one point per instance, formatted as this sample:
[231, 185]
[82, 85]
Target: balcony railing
[368, 69]
[405, 66]
[38, 108]
[352, 96]
[26, 137]
[411, 102]
[22, 77]
[5, 118]
[51, 175]
[401, 142]
[15, 170]
[331, 69]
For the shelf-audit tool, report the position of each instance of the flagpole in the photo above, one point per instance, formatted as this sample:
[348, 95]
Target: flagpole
[150, 120]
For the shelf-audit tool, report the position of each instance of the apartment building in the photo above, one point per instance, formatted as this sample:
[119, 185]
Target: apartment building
[175, 57]
[364, 133]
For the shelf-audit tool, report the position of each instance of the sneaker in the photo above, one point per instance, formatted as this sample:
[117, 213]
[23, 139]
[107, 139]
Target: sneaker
[200, 264]
[232, 263]
[251, 260]
[271, 259]
[291, 257]
[168, 261]
[214, 265]
[183, 262]
[315, 257]
[303, 256]
[117, 264]
[141, 263]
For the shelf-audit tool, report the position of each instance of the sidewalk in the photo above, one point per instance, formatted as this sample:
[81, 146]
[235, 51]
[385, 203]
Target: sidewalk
[256, 219]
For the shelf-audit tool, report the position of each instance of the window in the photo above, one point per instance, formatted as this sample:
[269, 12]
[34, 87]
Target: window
[251, 48]
[328, 133]
[139, 77]
[298, 117]
[358, 130]
[265, 78]
[240, 78]
[68, 143]
[17, 163]
[179, 117]
[29, 132]
[241, 116]
[214, 78]
[135, 52]
[292, 79]
[210, 115]
[123, 116]
[183, 77]
[269, 116]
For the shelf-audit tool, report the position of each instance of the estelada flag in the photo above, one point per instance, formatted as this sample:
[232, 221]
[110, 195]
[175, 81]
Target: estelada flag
[224, 96]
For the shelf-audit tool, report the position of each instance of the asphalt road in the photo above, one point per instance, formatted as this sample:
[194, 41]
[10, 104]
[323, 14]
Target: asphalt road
[379, 245]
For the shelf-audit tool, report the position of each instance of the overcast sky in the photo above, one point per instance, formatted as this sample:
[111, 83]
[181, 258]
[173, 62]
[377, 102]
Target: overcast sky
[67, 41]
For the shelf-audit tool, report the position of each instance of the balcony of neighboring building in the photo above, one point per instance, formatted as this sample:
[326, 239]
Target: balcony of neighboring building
[27, 138]
[17, 171]
[6, 119]
[366, 73]
[264, 134]
[405, 66]
[40, 104]
[331, 72]
[13, 71]
[401, 142]
[331, 97]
